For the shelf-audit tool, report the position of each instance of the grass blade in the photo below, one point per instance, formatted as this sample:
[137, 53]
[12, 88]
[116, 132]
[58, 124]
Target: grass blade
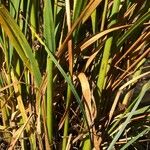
[20, 43]
[145, 88]
[49, 34]
[66, 77]
[136, 25]
[135, 138]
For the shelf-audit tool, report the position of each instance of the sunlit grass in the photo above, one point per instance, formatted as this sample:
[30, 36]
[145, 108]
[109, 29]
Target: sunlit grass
[74, 75]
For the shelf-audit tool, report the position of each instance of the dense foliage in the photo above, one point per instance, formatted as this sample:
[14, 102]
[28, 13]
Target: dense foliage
[74, 74]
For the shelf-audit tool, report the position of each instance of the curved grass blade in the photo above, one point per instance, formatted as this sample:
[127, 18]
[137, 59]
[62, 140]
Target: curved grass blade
[140, 111]
[137, 24]
[135, 138]
[145, 88]
[20, 43]
[66, 77]
[100, 35]
[74, 26]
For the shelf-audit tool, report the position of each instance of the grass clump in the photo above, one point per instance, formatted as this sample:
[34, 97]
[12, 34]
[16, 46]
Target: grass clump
[74, 75]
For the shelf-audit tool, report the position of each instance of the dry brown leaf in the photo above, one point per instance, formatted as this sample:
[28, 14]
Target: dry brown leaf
[91, 9]
[18, 133]
[120, 91]
[117, 82]
[96, 140]
[134, 45]
[70, 56]
[90, 60]
[77, 22]
[99, 35]
[87, 95]
[21, 106]
[62, 120]
[8, 86]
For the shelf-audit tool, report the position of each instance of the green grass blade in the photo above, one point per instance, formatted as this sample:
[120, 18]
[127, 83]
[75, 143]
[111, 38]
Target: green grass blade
[33, 17]
[135, 139]
[20, 43]
[145, 88]
[66, 124]
[140, 111]
[107, 48]
[78, 6]
[66, 77]
[49, 34]
[49, 26]
[14, 5]
[70, 61]
[49, 104]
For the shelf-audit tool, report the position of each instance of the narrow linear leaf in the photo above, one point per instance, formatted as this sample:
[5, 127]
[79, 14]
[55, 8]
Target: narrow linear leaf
[78, 4]
[49, 35]
[18, 134]
[87, 95]
[91, 9]
[137, 24]
[99, 35]
[90, 59]
[107, 47]
[135, 138]
[145, 88]
[20, 43]
[74, 26]
[49, 28]
[66, 77]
